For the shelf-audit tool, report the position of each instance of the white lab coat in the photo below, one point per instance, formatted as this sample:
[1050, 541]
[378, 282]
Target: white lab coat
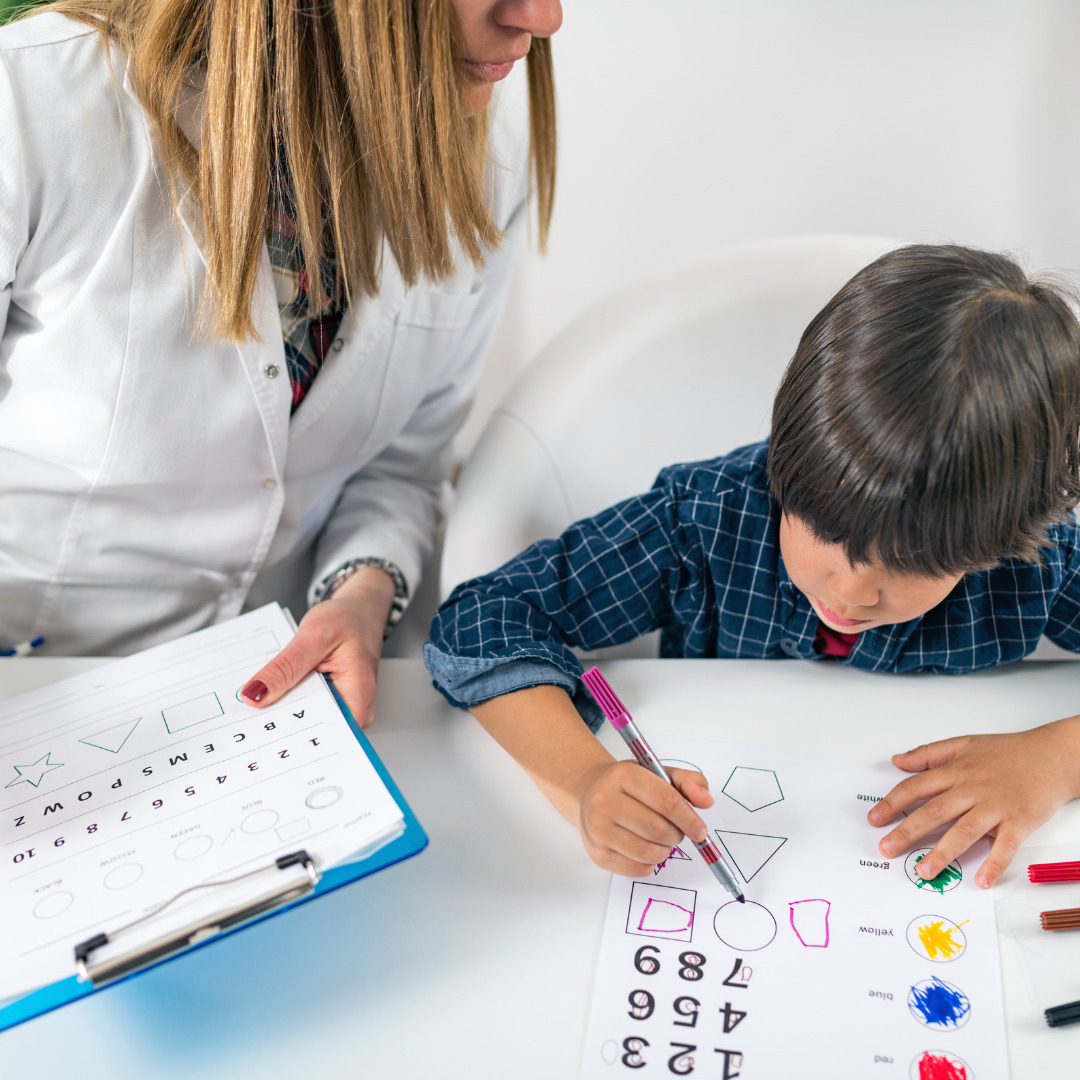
[150, 482]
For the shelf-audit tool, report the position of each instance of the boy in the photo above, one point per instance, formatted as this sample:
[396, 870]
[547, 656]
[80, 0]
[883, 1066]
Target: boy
[910, 511]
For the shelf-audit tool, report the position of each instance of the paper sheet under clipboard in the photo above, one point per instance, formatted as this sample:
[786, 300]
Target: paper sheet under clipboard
[126, 785]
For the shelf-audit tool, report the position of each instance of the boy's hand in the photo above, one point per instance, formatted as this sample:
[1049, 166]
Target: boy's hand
[1003, 786]
[631, 819]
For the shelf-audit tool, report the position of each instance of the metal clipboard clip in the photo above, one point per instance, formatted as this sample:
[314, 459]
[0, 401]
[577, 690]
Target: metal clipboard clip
[160, 948]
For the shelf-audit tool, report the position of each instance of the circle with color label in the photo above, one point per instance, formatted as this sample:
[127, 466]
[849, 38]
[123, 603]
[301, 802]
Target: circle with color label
[940, 1065]
[194, 847]
[744, 927]
[939, 1005]
[937, 938]
[121, 877]
[259, 822]
[947, 880]
[54, 904]
[323, 797]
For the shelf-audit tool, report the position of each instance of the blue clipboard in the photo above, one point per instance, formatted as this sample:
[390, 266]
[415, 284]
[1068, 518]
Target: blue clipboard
[411, 842]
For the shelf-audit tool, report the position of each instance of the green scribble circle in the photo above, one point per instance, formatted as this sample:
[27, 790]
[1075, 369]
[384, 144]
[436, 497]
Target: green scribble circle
[948, 879]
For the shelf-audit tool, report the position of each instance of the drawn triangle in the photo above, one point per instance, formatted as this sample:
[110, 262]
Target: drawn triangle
[112, 738]
[675, 853]
[749, 851]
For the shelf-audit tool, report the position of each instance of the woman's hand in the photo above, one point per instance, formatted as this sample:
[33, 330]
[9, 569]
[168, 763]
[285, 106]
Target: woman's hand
[341, 637]
[1003, 786]
[630, 819]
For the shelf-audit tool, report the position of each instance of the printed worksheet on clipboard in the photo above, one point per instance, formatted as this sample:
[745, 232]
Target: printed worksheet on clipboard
[144, 807]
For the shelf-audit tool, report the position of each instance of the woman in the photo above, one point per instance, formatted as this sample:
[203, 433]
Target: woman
[251, 255]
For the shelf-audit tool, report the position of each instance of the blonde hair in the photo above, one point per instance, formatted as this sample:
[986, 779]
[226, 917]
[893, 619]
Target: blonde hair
[361, 101]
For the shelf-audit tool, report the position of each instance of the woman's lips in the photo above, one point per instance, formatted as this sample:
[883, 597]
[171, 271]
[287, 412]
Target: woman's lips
[839, 620]
[489, 70]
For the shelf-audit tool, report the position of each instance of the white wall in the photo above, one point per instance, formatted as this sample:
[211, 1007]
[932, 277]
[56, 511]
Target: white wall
[687, 124]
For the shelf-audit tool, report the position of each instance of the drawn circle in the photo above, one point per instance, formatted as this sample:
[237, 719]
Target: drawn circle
[259, 822]
[678, 763]
[744, 927]
[940, 1065]
[936, 938]
[610, 1051]
[120, 877]
[194, 847]
[54, 904]
[323, 797]
[939, 1005]
[947, 880]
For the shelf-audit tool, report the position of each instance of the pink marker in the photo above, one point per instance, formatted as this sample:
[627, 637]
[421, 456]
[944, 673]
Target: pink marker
[623, 723]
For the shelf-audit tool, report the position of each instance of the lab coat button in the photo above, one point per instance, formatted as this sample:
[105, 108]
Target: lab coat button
[272, 371]
[269, 482]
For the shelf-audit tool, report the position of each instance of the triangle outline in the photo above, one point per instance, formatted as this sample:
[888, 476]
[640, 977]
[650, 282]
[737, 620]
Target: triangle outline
[131, 725]
[721, 833]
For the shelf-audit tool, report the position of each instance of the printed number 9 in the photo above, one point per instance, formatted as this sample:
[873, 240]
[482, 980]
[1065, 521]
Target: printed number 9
[642, 1004]
[647, 965]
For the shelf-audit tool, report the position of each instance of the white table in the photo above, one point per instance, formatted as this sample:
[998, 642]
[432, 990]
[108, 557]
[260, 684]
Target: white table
[474, 959]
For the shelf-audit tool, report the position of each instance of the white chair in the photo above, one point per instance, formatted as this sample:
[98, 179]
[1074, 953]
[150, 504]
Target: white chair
[679, 366]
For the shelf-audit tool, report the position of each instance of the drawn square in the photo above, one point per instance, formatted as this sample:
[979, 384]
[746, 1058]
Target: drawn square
[661, 911]
[189, 713]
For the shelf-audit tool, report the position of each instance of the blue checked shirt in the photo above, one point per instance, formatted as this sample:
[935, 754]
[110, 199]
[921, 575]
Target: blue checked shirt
[698, 557]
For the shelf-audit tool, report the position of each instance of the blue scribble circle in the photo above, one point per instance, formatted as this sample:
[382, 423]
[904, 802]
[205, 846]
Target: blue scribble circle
[939, 1005]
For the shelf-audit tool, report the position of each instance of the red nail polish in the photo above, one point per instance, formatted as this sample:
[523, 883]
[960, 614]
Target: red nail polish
[255, 690]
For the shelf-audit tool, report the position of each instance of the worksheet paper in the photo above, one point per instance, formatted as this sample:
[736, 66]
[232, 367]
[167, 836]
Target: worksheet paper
[123, 786]
[840, 964]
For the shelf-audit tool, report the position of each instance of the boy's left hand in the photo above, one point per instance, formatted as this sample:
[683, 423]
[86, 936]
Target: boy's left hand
[1003, 786]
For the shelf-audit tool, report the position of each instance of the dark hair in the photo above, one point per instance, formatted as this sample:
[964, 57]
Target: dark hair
[930, 416]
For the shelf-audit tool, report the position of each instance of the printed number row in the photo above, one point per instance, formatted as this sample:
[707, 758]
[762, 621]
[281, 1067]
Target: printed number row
[682, 1062]
[691, 966]
[643, 1004]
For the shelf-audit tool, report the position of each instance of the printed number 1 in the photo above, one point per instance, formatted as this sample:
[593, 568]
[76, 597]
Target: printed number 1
[731, 1057]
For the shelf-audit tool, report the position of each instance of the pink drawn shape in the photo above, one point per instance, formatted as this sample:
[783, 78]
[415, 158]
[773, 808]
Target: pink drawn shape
[675, 853]
[664, 918]
[812, 918]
